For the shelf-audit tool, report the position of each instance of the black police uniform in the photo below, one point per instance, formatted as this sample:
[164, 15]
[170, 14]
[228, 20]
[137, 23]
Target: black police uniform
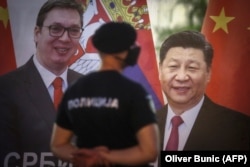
[105, 108]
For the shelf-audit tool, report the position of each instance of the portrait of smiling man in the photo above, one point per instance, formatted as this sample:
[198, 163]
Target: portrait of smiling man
[27, 95]
[191, 120]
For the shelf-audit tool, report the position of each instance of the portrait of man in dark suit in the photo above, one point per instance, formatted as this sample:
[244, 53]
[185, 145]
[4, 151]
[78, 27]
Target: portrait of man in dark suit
[199, 123]
[27, 102]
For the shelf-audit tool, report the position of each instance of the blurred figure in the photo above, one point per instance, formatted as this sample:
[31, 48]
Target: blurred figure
[185, 70]
[27, 93]
[112, 116]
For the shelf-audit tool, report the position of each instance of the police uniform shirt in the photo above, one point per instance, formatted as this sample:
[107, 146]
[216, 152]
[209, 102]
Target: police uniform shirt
[105, 108]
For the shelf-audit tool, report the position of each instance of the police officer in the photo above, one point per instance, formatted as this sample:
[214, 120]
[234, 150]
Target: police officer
[111, 115]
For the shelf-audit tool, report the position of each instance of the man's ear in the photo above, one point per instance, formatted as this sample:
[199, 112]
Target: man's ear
[37, 30]
[209, 74]
[160, 71]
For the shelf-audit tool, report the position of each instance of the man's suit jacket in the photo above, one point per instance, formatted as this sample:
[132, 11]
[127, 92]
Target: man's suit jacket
[216, 128]
[27, 113]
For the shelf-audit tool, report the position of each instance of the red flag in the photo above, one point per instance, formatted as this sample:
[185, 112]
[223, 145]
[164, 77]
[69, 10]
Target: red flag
[227, 27]
[136, 13]
[7, 57]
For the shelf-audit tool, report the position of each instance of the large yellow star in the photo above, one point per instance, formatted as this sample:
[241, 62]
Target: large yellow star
[4, 16]
[221, 21]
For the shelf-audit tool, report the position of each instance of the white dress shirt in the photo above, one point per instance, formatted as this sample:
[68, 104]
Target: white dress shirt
[48, 77]
[188, 118]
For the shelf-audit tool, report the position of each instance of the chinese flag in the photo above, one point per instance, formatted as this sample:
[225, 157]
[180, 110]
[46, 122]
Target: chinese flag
[227, 27]
[7, 58]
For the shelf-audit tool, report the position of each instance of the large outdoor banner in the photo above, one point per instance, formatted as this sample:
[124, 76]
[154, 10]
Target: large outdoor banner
[19, 18]
[227, 27]
[17, 23]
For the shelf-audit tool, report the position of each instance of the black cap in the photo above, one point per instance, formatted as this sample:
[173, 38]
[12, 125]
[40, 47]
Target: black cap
[114, 37]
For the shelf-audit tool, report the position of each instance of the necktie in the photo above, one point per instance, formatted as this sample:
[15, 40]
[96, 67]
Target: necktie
[58, 93]
[173, 140]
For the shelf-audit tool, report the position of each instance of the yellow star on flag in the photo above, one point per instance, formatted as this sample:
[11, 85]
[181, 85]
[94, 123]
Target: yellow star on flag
[4, 16]
[221, 21]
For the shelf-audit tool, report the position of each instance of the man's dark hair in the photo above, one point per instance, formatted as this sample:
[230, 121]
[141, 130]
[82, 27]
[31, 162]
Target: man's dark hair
[188, 39]
[114, 37]
[51, 4]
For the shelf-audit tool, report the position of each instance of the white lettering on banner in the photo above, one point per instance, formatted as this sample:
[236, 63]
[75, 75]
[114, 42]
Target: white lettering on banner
[9, 156]
[96, 102]
[43, 162]
[31, 159]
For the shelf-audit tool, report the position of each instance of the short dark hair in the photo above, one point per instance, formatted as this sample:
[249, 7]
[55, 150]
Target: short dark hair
[51, 4]
[114, 37]
[188, 39]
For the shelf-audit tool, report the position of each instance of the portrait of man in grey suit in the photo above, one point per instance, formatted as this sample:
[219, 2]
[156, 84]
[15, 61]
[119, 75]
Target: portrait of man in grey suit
[27, 93]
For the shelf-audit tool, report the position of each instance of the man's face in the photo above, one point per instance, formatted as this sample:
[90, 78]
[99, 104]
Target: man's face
[184, 75]
[55, 52]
